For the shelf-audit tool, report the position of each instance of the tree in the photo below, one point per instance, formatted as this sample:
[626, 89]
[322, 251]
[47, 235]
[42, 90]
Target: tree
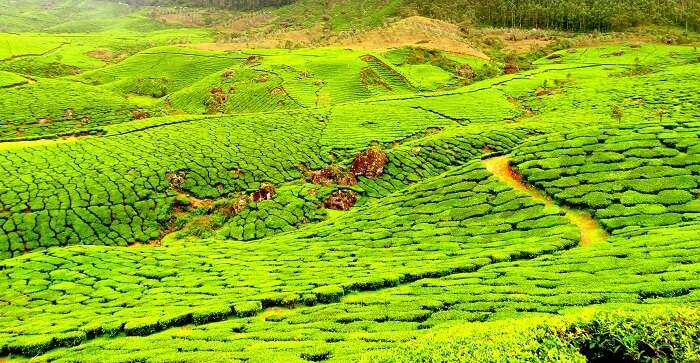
[617, 113]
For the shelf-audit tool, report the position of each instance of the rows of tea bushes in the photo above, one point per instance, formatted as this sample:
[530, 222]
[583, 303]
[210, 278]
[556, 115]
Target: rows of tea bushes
[391, 79]
[629, 177]
[62, 296]
[129, 196]
[238, 89]
[353, 125]
[473, 104]
[270, 80]
[291, 207]
[342, 132]
[433, 242]
[65, 16]
[626, 54]
[603, 334]
[159, 71]
[49, 107]
[51, 56]
[433, 70]
[8, 79]
[331, 76]
[296, 205]
[385, 121]
[195, 82]
[15, 45]
[430, 155]
[574, 94]
[115, 189]
[655, 267]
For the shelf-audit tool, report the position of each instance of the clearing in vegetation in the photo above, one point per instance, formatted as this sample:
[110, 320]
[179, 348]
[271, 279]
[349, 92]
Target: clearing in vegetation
[372, 185]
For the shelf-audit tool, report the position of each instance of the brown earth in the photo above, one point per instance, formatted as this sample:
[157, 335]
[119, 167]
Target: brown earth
[414, 31]
[341, 200]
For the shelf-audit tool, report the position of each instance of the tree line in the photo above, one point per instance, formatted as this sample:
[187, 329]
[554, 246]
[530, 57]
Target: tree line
[571, 15]
[219, 4]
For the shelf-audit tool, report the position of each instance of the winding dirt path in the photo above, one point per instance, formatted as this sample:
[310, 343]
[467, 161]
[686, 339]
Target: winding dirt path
[591, 231]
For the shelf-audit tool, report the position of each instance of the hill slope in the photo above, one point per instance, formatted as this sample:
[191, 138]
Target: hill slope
[166, 197]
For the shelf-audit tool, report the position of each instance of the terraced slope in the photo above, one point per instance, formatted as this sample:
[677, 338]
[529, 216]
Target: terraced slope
[132, 194]
[520, 197]
[367, 261]
[630, 178]
[608, 276]
[36, 107]
[174, 80]
[157, 72]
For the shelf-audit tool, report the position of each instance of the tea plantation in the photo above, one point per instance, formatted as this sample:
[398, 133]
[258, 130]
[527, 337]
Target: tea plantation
[166, 198]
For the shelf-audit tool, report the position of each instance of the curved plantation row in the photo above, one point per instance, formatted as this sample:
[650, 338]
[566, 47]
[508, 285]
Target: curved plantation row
[49, 107]
[159, 71]
[655, 267]
[586, 335]
[626, 54]
[299, 203]
[666, 94]
[54, 99]
[275, 80]
[609, 273]
[173, 80]
[632, 177]
[433, 242]
[115, 190]
[63, 296]
[428, 156]
[129, 197]
[8, 80]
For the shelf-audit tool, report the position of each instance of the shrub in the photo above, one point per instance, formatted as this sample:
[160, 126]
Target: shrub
[660, 334]
[247, 308]
[210, 313]
[317, 355]
[665, 335]
[143, 326]
[329, 294]
[669, 197]
[597, 199]
[31, 345]
[70, 339]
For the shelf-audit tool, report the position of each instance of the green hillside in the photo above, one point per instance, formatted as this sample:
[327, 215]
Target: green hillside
[167, 197]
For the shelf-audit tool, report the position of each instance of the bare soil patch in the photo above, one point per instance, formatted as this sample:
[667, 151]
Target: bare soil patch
[370, 163]
[415, 31]
[341, 200]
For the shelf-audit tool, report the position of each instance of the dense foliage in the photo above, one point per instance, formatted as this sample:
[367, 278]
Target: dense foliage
[578, 15]
[621, 336]
[164, 201]
[222, 4]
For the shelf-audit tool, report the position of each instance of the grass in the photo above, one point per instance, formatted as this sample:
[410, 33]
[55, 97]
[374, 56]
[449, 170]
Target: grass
[157, 200]
[18, 45]
[8, 79]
